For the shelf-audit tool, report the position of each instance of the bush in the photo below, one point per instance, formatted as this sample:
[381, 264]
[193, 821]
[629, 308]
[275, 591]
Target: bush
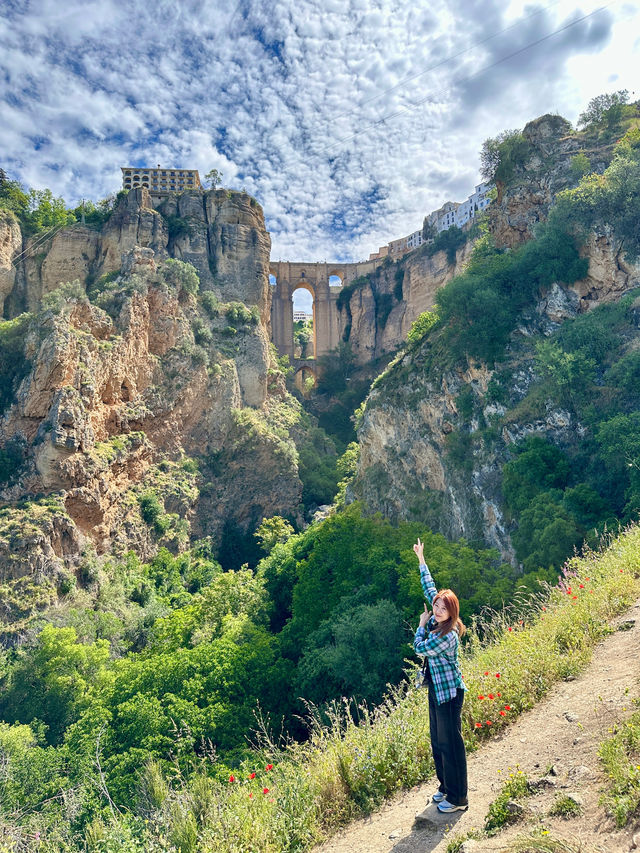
[180, 276]
[14, 366]
[152, 512]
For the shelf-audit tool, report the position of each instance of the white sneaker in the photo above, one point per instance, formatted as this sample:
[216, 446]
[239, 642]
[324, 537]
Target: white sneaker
[445, 806]
[438, 797]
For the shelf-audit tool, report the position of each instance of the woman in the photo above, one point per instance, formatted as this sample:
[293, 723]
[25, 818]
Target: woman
[437, 638]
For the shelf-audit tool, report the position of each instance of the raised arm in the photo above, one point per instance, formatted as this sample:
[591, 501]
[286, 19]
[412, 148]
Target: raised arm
[428, 586]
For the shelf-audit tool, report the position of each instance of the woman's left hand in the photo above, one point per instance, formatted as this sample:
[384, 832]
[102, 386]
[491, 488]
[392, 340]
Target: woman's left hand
[424, 617]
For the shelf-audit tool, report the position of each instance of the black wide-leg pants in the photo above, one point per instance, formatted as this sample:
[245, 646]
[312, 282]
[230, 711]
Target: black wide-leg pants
[449, 755]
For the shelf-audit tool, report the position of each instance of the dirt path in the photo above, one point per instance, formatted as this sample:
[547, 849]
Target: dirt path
[563, 731]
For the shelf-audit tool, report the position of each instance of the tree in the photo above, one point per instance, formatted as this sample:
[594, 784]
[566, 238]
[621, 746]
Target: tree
[429, 230]
[608, 107]
[500, 155]
[273, 531]
[214, 177]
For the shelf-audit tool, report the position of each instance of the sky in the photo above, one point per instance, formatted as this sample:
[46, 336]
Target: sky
[348, 120]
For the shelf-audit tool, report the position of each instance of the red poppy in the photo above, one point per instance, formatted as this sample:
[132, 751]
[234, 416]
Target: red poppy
[620, 571]
[581, 586]
[232, 778]
[490, 695]
[509, 629]
[507, 707]
[569, 591]
[250, 796]
[252, 776]
[498, 694]
[488, 722]
[591, 591]
[586, 579]
[497, 675]
[265, 790]
[544, 608]
[575, 596]
[481, 696]
[487, 673]
[478, 725]
[503, 713]
[269, 767]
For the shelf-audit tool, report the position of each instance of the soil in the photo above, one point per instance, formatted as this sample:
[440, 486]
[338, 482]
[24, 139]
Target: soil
[556, 742]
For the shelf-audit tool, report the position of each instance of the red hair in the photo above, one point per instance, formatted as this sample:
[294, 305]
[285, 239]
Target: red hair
[453, 623]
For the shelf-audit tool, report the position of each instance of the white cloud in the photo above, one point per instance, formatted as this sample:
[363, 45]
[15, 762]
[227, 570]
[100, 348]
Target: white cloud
[347, 119]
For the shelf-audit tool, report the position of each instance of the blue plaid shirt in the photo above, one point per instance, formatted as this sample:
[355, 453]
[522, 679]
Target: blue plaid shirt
[441, 651]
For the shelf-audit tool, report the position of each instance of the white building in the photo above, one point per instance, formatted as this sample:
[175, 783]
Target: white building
[476, 203]
[301, 317]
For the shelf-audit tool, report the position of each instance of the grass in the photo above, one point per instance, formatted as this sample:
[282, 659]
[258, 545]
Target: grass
[500, 814]
[564, 806]
[620, 756]
[292, 795]
[357, 758]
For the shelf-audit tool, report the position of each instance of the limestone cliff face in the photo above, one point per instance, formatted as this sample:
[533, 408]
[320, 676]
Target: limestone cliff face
[545, 172]
[381, 312]
[120, 392]
[422, 455]
[10, 247]
[221, 233]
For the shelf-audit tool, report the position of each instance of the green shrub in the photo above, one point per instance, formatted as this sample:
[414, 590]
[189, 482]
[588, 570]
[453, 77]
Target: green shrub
[210, 303]
[620, 756]
[14, 366]
[152, 512]
[180, 276]
[499, 815]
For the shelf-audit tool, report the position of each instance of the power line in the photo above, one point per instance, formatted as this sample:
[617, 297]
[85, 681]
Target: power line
[447, 59]
[466, 78]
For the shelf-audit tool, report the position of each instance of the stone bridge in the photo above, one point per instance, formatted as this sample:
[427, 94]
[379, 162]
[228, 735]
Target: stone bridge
[324, 281]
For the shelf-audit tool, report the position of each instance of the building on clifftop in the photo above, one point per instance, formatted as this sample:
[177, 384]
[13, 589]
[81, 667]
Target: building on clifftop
[161, 181]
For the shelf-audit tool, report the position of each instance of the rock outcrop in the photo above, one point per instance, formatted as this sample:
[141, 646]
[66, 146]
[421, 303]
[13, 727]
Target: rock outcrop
[10, 248]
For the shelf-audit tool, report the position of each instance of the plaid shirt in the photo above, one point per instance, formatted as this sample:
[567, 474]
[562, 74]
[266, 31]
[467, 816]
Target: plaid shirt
[440, 651]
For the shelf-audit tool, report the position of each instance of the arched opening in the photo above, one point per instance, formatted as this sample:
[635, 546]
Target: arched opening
[305, 380]
[335, 280]
[273, 281]
[304, 333]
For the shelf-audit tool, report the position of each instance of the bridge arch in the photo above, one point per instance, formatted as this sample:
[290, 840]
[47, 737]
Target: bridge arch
[325, 282]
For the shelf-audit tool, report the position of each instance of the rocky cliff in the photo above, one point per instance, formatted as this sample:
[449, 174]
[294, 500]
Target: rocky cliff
[380, 312]
[434, 438]
[146, 405]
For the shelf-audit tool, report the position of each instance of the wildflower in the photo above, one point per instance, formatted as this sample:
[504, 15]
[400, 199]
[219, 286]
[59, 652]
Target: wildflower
[498, 694]
[481, 696]
[502, 713]
[478, 725]
[509, 629]
[265, 790]
[252, 775]
[544, 608]
[488, 722]
[507, 707]
[232, 778]
[490, 695]
[586, 579]
[250, 796]
[575, 596]
[269, 767]
[581, 586]
[487, 673]
[497, 675]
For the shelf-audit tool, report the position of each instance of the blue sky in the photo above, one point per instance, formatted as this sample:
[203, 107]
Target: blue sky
[347, 119]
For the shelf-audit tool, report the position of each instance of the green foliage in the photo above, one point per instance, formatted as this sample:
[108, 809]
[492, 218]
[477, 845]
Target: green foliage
[566, 372]
[152, 512]
[479, 308]
[178, 227]
[620, 756]
[421, 328]
[448, 241]
[14, 365]
[498, 816]
[95, 215]
[63, 296]
[610, 200]
[237, 312]
[210, 303]
[11, 459]
[13, 197]
[580, 165]
[604, 108]
[180, 276]
[214, 177]
[564, 806]
[501, 155]
[273, 531]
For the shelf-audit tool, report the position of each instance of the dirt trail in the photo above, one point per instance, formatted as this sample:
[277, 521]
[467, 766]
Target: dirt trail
[563, 731]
